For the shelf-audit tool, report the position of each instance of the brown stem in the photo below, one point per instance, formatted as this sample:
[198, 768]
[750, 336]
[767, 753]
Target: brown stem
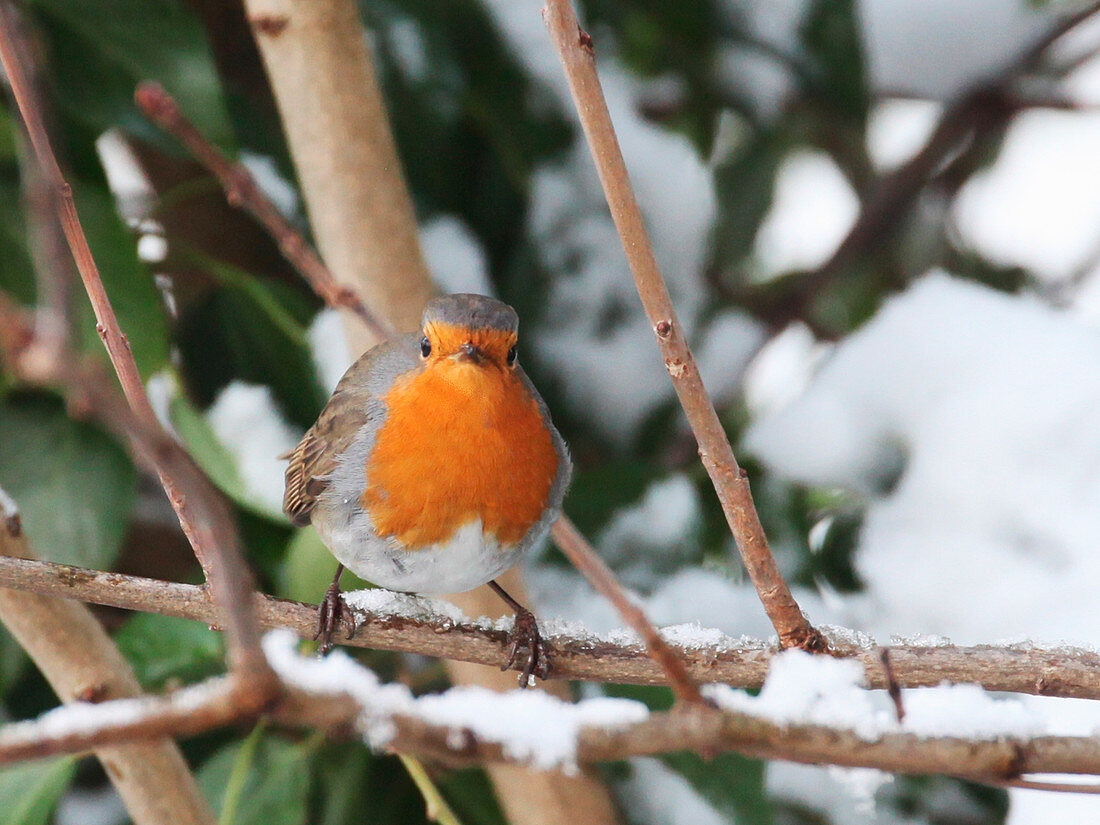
[574, 48]
[241, 190]
[1066, 673]
[202, 513]
[81, 663]
[321, 73]
[685, 728]
[584, 558]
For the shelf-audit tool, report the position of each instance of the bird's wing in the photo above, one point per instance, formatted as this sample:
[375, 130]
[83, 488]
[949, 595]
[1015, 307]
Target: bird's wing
[317, 454]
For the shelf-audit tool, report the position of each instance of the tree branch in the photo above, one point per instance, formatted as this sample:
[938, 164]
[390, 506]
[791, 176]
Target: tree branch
[202, 512]
[401, 727]
[81, 663]
[241, 190]
[574, 47]
[1062, 672]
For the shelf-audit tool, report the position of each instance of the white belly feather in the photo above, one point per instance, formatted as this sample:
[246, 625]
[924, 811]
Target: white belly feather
[469, 559]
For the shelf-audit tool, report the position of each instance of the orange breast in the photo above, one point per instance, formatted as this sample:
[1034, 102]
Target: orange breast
[459, 441]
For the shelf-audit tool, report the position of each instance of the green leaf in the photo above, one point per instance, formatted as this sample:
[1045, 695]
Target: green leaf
[128, 282]
[29, 791]
[100, 51]
[231, 335]
[732, 783]
[13, 662]
[165, 647]
[275, 786]
[343, 771]
[74, 485]
[16, 269]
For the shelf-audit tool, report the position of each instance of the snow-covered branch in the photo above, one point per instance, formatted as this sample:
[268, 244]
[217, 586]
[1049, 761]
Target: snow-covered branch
[811, 710]
[388, 621]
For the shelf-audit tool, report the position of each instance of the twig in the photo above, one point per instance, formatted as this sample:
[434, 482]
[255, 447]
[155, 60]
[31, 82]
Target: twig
[202, 513]
[730, 482]
[1066, 673]
[892, 686]
[685, 728]
[241, 190]
[584, 558]
[81, 663]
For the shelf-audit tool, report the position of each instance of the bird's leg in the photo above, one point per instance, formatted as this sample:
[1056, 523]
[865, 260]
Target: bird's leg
[330, 613]
[525, 636]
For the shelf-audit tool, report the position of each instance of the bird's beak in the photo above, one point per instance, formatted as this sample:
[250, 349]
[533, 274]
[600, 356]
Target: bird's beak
[468, 352]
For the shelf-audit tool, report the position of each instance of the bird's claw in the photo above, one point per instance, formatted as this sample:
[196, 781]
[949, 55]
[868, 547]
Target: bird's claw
[331, 613]
[525, 636]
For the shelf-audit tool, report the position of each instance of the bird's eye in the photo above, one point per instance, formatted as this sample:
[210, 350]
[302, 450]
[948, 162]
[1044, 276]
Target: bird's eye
[512, 356]
[425, 347]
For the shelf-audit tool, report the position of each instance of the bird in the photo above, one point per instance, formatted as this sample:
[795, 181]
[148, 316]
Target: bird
[434, 467]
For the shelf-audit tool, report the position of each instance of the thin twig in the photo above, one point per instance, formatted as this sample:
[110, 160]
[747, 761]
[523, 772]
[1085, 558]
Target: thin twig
[592, 567]
[574, 48]
[892, 686]
[241, 190]
[1060, 672]
[203, 514]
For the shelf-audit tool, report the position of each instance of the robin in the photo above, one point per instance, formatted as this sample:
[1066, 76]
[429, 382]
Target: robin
[434, 466]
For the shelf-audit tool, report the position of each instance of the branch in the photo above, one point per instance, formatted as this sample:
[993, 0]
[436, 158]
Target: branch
[1062, 672]
[574, 47]
[339, 693]
[241, 190]
[203, 514]
[571, 542]
[338, 134]
[81, 663]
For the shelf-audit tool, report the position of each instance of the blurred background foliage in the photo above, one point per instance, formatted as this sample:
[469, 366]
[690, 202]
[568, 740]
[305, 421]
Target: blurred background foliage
[474, 122]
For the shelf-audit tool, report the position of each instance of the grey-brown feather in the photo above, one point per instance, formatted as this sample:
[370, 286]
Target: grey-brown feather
[357, 397]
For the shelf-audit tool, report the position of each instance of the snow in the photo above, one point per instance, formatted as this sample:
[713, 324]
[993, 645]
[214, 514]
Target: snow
[983, 406]
[814, 206]
[898, 128]
[658, 795]
[329, 346]
[804, 689]
[454, 256]
[152, 248]
[782, 369]
[81, 806]
[967, 710]
[246, 421]
[966, 418]
[277, 188]
[1037, 206]
[939, 48]
[379, 601]
[531, 726]
[85, 718]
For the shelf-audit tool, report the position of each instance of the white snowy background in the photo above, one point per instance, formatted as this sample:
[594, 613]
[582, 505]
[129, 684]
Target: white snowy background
[983, 407]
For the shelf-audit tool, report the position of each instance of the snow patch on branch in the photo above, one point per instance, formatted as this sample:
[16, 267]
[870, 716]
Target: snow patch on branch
[819, 690]
[530, 726]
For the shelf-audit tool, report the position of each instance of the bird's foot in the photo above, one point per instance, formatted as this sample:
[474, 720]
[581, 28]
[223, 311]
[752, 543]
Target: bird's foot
[331, 613]
[525, 637]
